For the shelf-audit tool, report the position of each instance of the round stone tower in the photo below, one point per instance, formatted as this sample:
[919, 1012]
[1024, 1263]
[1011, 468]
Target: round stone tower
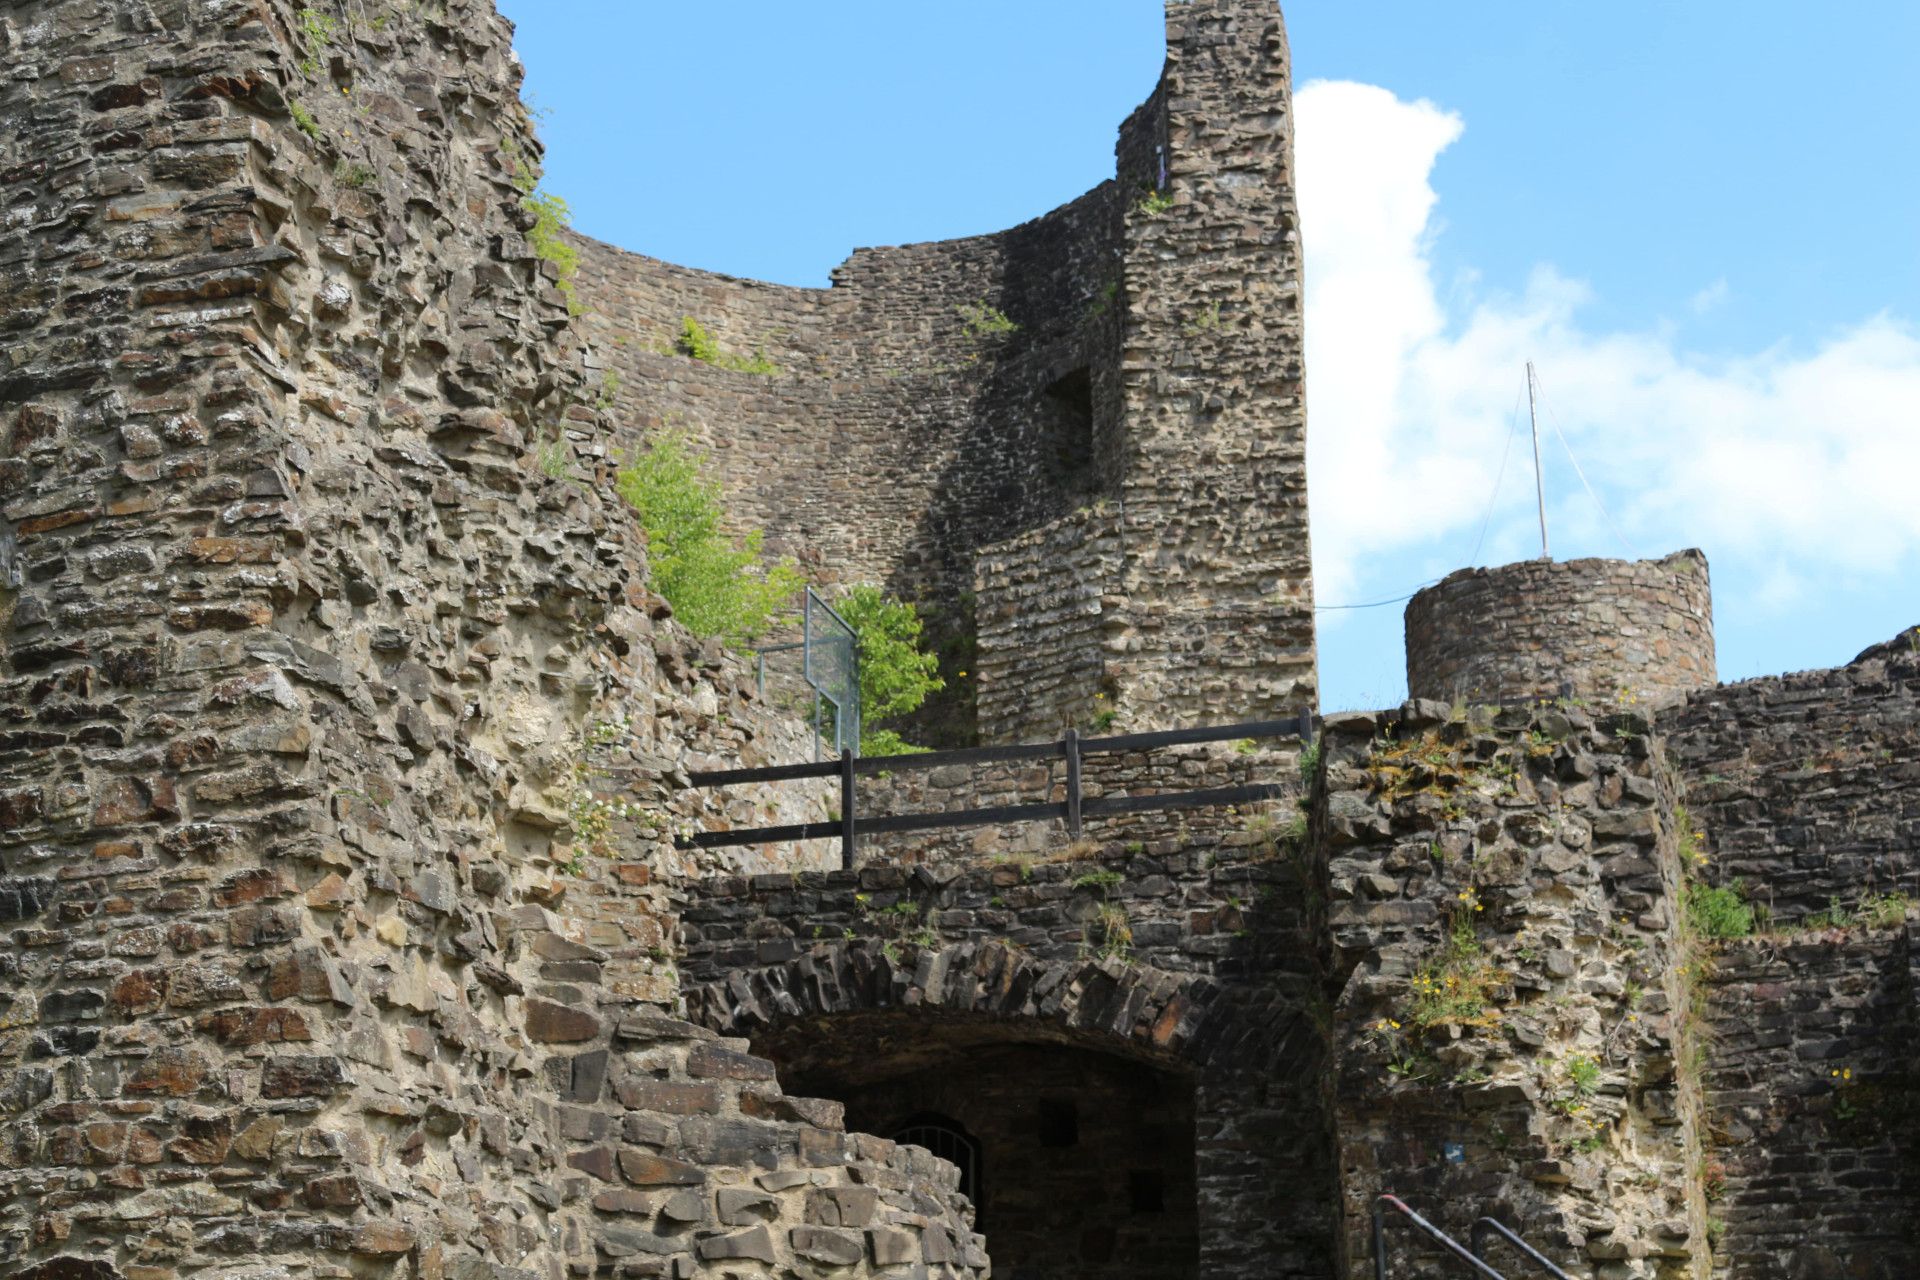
[1594, 629]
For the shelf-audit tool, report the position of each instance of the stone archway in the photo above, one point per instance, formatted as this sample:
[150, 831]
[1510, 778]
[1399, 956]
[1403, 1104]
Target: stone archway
[1128, 1115]
[1182, 1020]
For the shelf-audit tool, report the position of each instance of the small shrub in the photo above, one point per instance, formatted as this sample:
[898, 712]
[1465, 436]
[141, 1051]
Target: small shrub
[303, 119]
[697, 342]
[1100, 305]
[1154, 203]
[1875, 911]
[609, 390]
[887, 742]
[551, 217]
[1456, 986]
[351, 173]
[983, 321]
[1113, 930]
[556, 459]
[1206, 321]
[1309, 762]
[1102, 880]
[716, 584]
[1719, 911]
[318, 28]
[896, 671]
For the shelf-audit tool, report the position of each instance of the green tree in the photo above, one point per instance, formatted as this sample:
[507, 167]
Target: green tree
[717, 585]
[896, 672]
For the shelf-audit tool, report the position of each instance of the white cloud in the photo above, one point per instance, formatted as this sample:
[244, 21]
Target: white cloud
[1792, 465]
[1710, 297]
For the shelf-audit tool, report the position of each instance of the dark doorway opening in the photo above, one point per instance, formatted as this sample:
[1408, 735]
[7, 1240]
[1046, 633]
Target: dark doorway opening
[1080, 1163]
[1066, 420]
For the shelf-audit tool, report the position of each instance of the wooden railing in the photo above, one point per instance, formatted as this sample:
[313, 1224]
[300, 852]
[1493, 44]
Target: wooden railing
[1073, 810]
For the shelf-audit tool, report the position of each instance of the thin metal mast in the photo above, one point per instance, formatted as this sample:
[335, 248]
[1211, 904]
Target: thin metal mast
[1539, 478]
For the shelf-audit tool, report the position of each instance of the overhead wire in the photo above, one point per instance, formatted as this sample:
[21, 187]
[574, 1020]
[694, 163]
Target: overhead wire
[1493, 499]
[1553, 419]
[1375, 604]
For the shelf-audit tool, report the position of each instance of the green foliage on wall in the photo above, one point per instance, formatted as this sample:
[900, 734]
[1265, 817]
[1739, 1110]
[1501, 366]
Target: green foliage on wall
[1154, 203]
[318, 28]
[983, 322]
[718, 585]
[1719, 911]
[697, 342]
[303, 119]
[551, 216]
[896, 671]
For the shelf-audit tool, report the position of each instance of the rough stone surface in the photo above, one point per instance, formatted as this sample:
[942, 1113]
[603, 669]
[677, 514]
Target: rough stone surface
[342, 747]
[1811, 1116]
[1190, 953]
[1143, 427]
[1807, 787]
[1596, 630]
[1508, 1017]
[302, 656]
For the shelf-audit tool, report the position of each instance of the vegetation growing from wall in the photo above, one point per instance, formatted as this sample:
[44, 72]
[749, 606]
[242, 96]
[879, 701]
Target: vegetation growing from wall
[696, 342]
[551, 217]
[983, 322]
[896, 670]
[718, 585]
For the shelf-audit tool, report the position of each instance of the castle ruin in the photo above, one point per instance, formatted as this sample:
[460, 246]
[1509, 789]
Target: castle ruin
[343, 748]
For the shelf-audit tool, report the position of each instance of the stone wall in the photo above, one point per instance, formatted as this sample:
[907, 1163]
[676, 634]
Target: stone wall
[1141, 344]
[1600, 630]
[1810, 1121]
[899, 435]
[1807, 787]
[1039, 665]
[1509, 985]
[1188, 952]
[300, 663]
[1213, 499]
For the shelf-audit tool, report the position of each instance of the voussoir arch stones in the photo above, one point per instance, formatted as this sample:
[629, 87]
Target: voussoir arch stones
[1184, 1021]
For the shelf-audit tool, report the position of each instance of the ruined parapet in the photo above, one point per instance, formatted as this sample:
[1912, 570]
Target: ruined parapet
[1136, 352]
[1807, 786]
[1607, 630]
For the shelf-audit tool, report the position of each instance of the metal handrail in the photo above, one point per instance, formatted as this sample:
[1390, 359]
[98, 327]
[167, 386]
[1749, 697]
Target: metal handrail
[1380, 1206]
[1484, 1226]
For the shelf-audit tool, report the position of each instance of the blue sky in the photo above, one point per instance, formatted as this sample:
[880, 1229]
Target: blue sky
[1702, 220]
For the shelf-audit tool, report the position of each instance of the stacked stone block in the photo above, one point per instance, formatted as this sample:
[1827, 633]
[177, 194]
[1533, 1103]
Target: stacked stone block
[1807, 786]
[300, 657]
[1613, 631]
[1810, 1094]
[1510, 993]
[1214, 979]
[1117, 384]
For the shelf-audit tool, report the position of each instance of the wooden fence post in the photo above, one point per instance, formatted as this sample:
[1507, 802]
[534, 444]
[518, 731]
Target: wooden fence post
[1072, 746]
[847, 834]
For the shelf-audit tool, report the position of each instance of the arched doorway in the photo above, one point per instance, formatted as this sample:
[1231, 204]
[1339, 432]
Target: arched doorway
[1080, 1162]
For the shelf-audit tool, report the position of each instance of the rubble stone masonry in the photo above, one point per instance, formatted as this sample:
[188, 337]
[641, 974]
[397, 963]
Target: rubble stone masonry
[1116, 386]
[343, 748]
[1599, 630]
[302, 651]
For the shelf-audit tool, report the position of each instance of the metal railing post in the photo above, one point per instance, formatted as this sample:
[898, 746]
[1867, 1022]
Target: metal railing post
[1433, 1233]
[847, 834]
[1071, 744]
[1484, 1227]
